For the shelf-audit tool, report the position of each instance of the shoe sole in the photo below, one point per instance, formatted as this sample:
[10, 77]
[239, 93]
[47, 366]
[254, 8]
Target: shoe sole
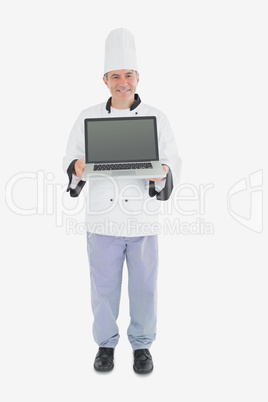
[103, 370]
[143, 372]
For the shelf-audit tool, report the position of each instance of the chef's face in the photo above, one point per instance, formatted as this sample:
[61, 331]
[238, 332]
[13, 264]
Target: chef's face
[122, 85]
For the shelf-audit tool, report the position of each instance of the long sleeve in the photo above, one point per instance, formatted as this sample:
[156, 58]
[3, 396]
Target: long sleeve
[163, 188]
[168, 155]
[74, 151]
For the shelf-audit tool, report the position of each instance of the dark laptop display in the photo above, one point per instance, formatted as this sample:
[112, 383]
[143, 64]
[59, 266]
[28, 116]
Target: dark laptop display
[121, 139]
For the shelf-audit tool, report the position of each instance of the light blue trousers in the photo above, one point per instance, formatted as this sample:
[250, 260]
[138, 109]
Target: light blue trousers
[106, 256]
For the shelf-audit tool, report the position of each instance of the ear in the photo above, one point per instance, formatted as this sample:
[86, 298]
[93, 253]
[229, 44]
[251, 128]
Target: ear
[138, 77]
[105, 82]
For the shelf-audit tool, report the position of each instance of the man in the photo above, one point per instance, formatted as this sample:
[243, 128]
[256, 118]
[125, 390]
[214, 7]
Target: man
[121, 215]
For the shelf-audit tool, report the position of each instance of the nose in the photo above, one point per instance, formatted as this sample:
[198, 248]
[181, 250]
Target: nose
[123, 81]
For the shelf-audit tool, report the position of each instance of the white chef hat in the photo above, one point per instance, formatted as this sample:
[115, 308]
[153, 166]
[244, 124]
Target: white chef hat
[120, 52]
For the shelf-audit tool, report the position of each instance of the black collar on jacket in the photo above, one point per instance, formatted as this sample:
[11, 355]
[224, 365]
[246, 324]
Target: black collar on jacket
[135, 104]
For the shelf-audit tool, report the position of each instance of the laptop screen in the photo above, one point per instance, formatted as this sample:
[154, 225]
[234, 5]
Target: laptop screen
[121, 139]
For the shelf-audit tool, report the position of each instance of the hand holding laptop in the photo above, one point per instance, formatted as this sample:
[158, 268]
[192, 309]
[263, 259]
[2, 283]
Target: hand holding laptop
[79, 168]
[166, 169]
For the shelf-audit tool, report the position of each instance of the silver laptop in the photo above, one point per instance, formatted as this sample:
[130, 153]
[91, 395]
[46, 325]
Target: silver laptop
[122, 147]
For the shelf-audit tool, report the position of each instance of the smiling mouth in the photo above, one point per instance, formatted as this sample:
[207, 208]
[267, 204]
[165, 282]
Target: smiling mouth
[123, 91]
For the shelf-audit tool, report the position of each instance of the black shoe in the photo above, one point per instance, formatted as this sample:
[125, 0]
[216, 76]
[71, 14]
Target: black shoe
[104, 360]
[143, 362]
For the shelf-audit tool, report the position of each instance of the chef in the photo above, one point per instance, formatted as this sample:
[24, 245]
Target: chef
[121, 214]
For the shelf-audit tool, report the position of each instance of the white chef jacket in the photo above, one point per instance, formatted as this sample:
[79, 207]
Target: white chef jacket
[123, 207]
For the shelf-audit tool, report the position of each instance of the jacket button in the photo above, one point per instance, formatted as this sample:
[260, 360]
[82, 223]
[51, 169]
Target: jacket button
[111, 199]
[136, 113]
[126, 200]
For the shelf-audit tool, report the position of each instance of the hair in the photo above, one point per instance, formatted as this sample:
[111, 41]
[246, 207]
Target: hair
[106, 75]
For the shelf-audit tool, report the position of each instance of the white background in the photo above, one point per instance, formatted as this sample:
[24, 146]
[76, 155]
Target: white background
[203, 63]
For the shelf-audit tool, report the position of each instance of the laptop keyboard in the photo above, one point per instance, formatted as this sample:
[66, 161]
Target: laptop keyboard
[121, 166]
